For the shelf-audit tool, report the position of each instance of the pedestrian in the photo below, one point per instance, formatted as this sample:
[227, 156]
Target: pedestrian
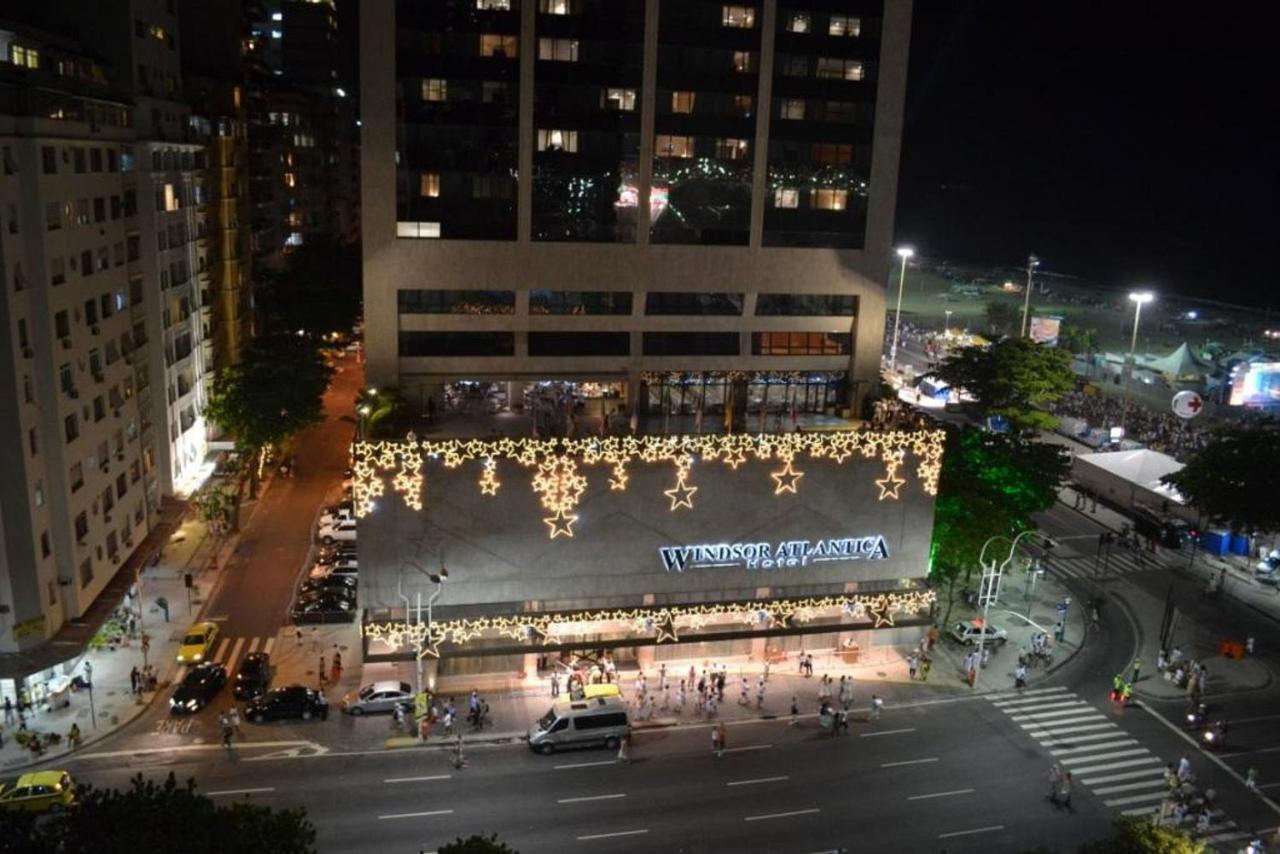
[693, 676]
[473, 703]
[555, 684]
[641, 684]
[666, 697]
[135, 680]
[337, 667]
[624, 744]
[711, 705]
[448, 719]
[715, 740]
[795, 711]
[1137, 667]
[1248, 644]
[808, 666]
[742, 696]
[73, 736]
[323, 670]
[824, 688]
[765, 674]
[1064, 791]
[1020, 676]
[298, 635]
[933, 637]
[720, 685]
[8, 710]
[662, 676]
[233, 719]
[680, 699]
[924, 668]
[1184, 769]
[1251, 779]
[760, 693]
[913, 663]
[876, 705]
[722, 739]
[1055, 777]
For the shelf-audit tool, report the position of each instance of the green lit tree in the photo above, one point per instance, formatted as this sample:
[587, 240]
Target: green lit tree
[1235, 478]
[991, 484]
[1136, 836]
[1014, 378]
[158, 818]
[1078, 339]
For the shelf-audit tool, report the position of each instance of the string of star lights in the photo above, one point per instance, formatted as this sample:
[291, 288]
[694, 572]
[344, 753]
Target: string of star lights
[664, 622]
[557, 465]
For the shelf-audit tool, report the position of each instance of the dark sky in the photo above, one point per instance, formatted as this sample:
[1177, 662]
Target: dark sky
[1129, 142]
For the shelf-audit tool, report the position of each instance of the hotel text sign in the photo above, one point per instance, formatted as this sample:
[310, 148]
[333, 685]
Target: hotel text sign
[773, 555]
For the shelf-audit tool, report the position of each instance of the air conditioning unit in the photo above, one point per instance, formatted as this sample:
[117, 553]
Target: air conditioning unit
[119, 454]
[28, 353]
[95, 329]
[64, 581]
[66, 343]
[98, 377]
[73, 393]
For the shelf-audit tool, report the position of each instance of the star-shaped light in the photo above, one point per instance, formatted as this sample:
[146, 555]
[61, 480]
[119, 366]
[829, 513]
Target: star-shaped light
[786, 479]
[681, 494]
[618, 482]
[561, 523]
[890, 484]
[881, 615]
[667, 631]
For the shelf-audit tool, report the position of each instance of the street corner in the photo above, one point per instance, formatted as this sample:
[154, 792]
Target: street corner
[1225, 675]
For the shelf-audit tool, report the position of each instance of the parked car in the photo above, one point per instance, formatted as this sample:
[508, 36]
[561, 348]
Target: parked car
[329, 554]
[295, 701]
[39, 791]
[968, 632]
[377, 697]
[337, 513]
[254, 676]
[342, 531]
[581, 723]
[197, 643]
[325, 607]
[343, 583]
[347, 569]
[201, 684]
[1266, 569]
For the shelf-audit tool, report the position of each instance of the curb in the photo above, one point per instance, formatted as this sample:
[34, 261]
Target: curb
[408, 742]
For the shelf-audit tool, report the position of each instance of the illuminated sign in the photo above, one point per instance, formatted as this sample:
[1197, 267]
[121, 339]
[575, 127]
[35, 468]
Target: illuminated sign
[788, 553]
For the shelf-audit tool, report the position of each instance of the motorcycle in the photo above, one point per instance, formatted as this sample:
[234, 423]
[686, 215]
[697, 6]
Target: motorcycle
[1214, 737]
[1195, 716]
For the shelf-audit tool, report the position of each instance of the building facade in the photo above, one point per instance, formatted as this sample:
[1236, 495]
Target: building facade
[81, 489]
[685, 204]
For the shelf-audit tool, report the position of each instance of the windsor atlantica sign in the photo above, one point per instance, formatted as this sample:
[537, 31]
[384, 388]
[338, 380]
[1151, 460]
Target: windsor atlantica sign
[773, 555]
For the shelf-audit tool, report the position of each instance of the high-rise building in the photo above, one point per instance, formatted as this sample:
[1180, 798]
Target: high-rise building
[80, 491]
[667, 199]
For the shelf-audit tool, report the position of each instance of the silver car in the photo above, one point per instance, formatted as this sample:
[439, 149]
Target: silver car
[378, 697]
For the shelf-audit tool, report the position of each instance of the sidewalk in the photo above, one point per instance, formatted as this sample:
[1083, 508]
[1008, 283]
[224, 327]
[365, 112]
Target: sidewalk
[189, 549]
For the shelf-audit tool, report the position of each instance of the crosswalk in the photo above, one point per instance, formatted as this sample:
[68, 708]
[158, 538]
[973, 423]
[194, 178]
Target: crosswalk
[1100, 755]
[229, 650]
[1119, 562]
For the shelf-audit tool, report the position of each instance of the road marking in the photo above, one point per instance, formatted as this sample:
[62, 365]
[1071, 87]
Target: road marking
[220, 619]
[193, 748]
[747, 747]
[1044, 723]
[234, 654]
[240, 791]
[909, 762]
[1033, 692]
[415, 814]
[768, 816]
[253, 646]
[757, 780]
[1047, 733]
[1091, 748]
[1013, 706]
[586, 764]
[886, 732]
[1069, 740]
[1127, 763]
[1141, 811]
[418, 779]
[987, 829]
[939, 794]
[1156, 773]
[1131, 787]
[1137, 799]
[266, 647]
[222, 647]
[1232, 753]
[1137, 751]
[612, 835]
[1253, 720]
[590, 798]
[1076, 709]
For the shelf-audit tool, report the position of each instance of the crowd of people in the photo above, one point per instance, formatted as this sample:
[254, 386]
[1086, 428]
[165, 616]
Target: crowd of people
[1160, 431]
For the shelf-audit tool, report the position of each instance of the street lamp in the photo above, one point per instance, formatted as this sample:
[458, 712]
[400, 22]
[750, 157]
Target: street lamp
[904, 252]
[1140, 298]
[946, 323]
[364, 411]
[1032, 263]
[990, 588]
[438, 579]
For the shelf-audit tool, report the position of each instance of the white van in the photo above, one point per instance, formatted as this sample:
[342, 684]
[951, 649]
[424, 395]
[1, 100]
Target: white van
[569, 724]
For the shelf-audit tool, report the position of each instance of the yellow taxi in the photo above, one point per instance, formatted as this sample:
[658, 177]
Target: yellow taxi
[197, 643]
[41, 791]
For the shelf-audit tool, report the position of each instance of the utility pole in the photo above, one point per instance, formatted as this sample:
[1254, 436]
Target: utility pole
[1032, 263]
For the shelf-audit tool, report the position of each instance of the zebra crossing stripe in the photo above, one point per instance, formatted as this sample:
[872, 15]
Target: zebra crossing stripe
[222, 647]
[1129, 787]
[1031, 701]
[271, 641]
[1089, 717]
[1137, 799]
[1072, 740]
[1140, 811]
[1031, 693]
[1124, 763]
[1093, 748]
[1137, 751]
[253, 647]
[1127, 775]
[234, 654]
[1083, 708]
[1049, 733]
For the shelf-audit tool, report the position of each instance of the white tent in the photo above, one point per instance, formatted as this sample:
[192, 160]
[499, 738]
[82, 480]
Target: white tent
[1179, 364]
[1132, 477]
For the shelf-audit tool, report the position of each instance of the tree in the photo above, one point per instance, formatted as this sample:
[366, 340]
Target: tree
[386, 405]
[1235, 478]
[1003, 318]
[1078, 339]
[990, 485]
[476, 844]
[1137, 836]
[159, 818]
[1012, 378]
[318, 290]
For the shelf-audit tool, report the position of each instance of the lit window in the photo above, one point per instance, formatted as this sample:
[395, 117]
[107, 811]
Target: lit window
[834, 68]
[557, 140]
[666, 145]
[742, 104]
[791, 108]
[499, 46]
[843, 25]
[417, 229]
[494, 5]
[558, 50]
[620, 99]
[429, 185]
[435, 89]
[731, 149]
[832, 154]
[742, 61]
[170, 198]
[786, 197]
[738, 16]
[290, 180]
[682, 102]
[799, 22]
[555, 7]
[830, 200]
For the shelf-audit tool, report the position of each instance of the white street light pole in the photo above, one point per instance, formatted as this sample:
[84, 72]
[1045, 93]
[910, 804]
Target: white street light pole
[1032, 263]
[1140, 298]
[904, 252]
[990, 589]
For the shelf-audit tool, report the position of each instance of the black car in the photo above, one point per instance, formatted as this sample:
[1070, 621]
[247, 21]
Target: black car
[295, 701]
[326, 606]
[340, 583]
[328, 556]
[201, 684]
[254, 676]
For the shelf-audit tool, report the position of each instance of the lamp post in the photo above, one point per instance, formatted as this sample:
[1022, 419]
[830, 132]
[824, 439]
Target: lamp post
[364, 410]
[1032, 263]
[1140, 298]
[946, 324]
[419, 647]
[904, 252]
[990, 589]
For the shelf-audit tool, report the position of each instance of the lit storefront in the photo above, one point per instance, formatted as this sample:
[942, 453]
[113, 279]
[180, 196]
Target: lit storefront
[654, 547]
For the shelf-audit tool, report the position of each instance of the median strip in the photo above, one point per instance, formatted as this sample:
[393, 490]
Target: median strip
[939, 794]
[768, 816]
[612, 835]
[757, 780]
[418, 779]
[415, 814]
[909, 762]
[988, 829]
[590, 798]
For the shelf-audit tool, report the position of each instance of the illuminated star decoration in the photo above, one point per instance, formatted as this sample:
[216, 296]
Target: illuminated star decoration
[561, 523]
[890, 483]
[681, 494]
[881, 614]
[667, 629]
[489, 479]
[786, 479]
[618, 482]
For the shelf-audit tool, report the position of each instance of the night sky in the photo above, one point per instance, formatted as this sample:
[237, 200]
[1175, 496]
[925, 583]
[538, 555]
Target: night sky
[1128, 142]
